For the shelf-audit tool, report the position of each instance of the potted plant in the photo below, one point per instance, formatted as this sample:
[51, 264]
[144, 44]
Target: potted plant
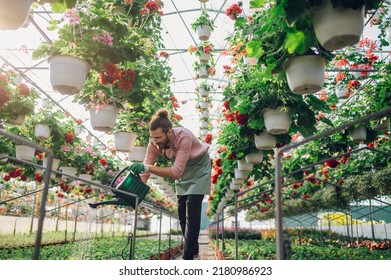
[204, 70]
[17, 100]
[204, 89]
[13, 13]
[124, 138]
[203, 51]
[6, 148]
[203, 25]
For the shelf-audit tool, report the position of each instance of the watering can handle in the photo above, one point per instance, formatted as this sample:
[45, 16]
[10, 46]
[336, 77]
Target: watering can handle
[112, 185]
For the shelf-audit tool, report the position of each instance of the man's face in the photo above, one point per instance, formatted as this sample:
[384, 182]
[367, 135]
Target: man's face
[159, 138]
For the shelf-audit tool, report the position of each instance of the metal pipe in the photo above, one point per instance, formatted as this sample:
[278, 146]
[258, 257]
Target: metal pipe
[160, 232]
[236, 227]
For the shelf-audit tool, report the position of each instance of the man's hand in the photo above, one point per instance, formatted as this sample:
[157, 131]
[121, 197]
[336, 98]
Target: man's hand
[138, 168]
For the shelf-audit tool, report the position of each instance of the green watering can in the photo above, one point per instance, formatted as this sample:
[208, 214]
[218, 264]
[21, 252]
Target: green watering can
[132, 184]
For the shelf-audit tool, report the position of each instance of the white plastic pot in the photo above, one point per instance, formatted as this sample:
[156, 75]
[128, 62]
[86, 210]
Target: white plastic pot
[336, 28]
[205, 114]
[13, 13]
[203, 92]
[42, 131]
[240, 174]
[358, 134]
[204, 32]
[137, 154]
[244, 166]
[277, 121]
[24, 152]
[103, 119]
[18, 121]
[204, 105]
[124, 141]
[69, 170]
[254, 158]
[305, 74]
[265, 141]
[68, 74]
[203, 72]
[204, 57]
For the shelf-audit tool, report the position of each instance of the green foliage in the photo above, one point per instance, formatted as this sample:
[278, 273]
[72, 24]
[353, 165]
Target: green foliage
[203, 19]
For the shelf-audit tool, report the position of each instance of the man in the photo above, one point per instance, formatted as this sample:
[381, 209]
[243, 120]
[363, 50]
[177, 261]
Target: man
[191, 170]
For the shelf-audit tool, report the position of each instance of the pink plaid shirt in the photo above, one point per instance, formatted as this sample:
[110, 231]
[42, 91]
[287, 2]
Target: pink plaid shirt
[184, 147]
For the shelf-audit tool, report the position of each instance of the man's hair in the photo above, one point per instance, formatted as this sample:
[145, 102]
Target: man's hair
[160, 119]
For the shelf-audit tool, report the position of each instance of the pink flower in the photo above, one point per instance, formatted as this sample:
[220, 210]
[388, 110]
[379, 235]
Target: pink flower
[65, 148]
[105, 38]
[72, 16]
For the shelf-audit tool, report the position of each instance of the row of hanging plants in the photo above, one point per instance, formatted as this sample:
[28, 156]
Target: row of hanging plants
[277, 35]
[120, 77]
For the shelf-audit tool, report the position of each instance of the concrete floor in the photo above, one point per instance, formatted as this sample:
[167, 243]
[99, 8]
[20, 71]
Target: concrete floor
[206, 248]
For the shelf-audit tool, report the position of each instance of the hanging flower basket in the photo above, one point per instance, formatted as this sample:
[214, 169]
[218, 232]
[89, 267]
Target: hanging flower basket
[103, 119]
[205, 114]
[204, 105]
[336, 28]
[240, 174]
[204, 124]
[203, 92]
[265, 141]
[138, 154]
[254, 158]
[305, 74]
[124, 141]
[383, 125]
[42, 131]
[18, 121]
[358, 134]
[13, 13]
[234, 187]
[68, 74]
[69, 170]
[204, 57]
[204, 32]
[277, 121]
[203, 72]
[204, 131]
[244, 166]
[24, 152]
[340, 91]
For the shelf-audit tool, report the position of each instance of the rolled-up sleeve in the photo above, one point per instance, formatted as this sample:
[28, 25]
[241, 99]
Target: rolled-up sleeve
[184, 149]
[150, 159]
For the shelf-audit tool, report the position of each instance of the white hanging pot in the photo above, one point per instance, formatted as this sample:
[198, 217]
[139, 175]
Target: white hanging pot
[265, 141]
[68, 74]
[13, 13]
[240, 174]
[204, 57]
[55, 165]
[203, 92]
[69, 170]
[18, 121]
[305, 74]
[103, 119]
[204, 124]
[205, 114]
[383, 125]
[137, 154]
[85, 177]
[204, 105]
[244, 166]
[336, 28]
[204, 32]
[234, 187]
[358, 134]
[254, 158]
[24, 152]
[124, 141]
[42, 131]
[340, 91]
[277, 121]
[203, 72]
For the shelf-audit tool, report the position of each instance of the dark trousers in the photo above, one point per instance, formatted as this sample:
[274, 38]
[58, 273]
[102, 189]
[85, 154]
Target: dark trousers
[189, 213]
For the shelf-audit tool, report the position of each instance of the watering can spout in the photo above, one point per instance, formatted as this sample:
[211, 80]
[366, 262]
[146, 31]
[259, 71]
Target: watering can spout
[131, 184]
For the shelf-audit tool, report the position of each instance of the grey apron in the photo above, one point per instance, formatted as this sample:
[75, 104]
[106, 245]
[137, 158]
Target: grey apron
[196, 178]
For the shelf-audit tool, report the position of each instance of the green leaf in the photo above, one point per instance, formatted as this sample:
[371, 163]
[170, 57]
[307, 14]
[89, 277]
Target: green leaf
[295, 42]
[257, 4]
[253, 49]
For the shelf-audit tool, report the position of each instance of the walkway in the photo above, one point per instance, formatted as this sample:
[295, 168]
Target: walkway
[206, 248]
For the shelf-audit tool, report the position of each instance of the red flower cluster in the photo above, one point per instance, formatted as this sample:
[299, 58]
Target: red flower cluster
[15, 173]
[177, 117]
[164, 54]
[38, 177]
[233, 11]
[112, 74]
[5, 96]
[103, 161]
[23, 89]
[208, 138]
[150, 7]
[69, 137]
[332, 163]
[232, 156]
